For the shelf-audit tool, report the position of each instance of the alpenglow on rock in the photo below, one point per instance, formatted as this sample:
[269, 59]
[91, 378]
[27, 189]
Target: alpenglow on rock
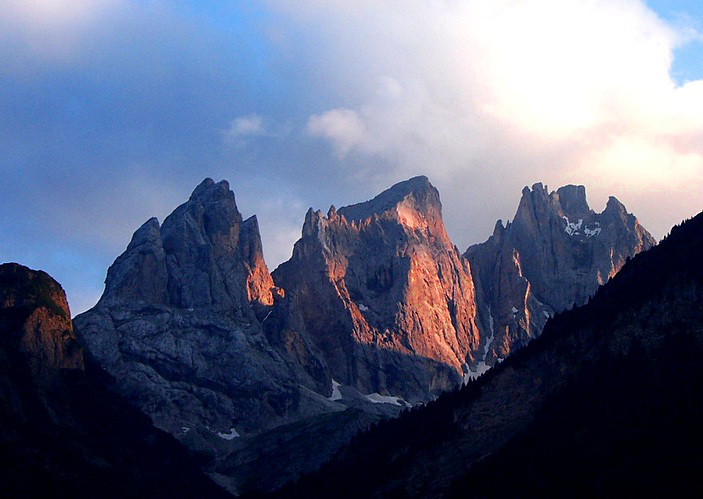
[554, 254]
[182, 326]
[384, 294]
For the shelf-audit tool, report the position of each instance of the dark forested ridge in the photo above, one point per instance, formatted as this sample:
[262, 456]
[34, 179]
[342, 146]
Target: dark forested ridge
[63, 432]
[608, 400]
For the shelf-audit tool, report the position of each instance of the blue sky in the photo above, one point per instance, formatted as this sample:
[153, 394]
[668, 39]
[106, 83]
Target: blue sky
[111, 111]
[688, 63]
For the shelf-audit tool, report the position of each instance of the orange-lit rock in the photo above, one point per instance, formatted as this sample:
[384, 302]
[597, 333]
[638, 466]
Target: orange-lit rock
[384, 294]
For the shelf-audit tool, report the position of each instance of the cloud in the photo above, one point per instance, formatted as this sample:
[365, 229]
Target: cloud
[47, 15]
[244, 127]
[343, 127]
[507, 93]
[52, 30]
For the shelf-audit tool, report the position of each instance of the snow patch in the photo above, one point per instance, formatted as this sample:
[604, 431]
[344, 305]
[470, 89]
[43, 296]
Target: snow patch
[571, 227]
[185, 429]
[592, 233]
[514, 310]
[363, 307]
[377, 398]
[228, 436]
[267, 316]
[481, 367]
[546, 314]
[336, 394]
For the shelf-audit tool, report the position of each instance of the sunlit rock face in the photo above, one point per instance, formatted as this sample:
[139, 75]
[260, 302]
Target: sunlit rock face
[189, 327]
[384, 294]
[554, 254]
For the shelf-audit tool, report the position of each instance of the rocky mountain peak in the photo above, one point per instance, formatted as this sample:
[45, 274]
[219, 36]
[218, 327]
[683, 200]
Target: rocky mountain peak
[189, 326]
[403, 201]
[148, 233]
[537, 204]
[203, 255]
[572, 199]
[208, 191]
[332, 212]
[538, 194]
[384, 292]
[615, 208]
[556, 253]
[35, 320]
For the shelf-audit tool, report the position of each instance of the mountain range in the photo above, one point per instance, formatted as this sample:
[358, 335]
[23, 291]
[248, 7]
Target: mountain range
[265, 376]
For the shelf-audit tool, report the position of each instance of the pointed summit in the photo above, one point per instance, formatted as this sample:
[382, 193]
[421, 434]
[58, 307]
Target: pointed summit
[204, 255]
[615, 208]
[416, 193]
[35, 323]
[208, 190]
[189, 328]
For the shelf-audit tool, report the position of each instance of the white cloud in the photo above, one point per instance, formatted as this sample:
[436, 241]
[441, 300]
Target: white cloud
[343, 127]
[242, 127]
[53, 30]
[496, 95]
[44, 14]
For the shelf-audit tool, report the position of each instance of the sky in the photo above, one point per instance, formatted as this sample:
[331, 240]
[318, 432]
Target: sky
[112, 111]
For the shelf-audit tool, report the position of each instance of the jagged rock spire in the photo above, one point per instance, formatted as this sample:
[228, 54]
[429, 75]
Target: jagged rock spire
[555, 254]
[204, 255]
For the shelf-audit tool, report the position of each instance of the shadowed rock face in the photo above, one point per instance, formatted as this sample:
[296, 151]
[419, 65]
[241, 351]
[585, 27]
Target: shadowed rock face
[204, 255]
[61, 427]
[554, 254]
[188, 325]
[384, 294]
[35, 321]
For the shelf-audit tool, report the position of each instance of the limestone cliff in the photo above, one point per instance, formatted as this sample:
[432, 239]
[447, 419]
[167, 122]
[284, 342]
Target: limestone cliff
[554, 254]
[36, 322]
[384, 294]
[189, 327]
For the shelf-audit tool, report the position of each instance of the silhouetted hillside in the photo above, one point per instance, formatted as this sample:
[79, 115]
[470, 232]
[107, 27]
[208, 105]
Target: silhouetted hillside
[63, 432]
